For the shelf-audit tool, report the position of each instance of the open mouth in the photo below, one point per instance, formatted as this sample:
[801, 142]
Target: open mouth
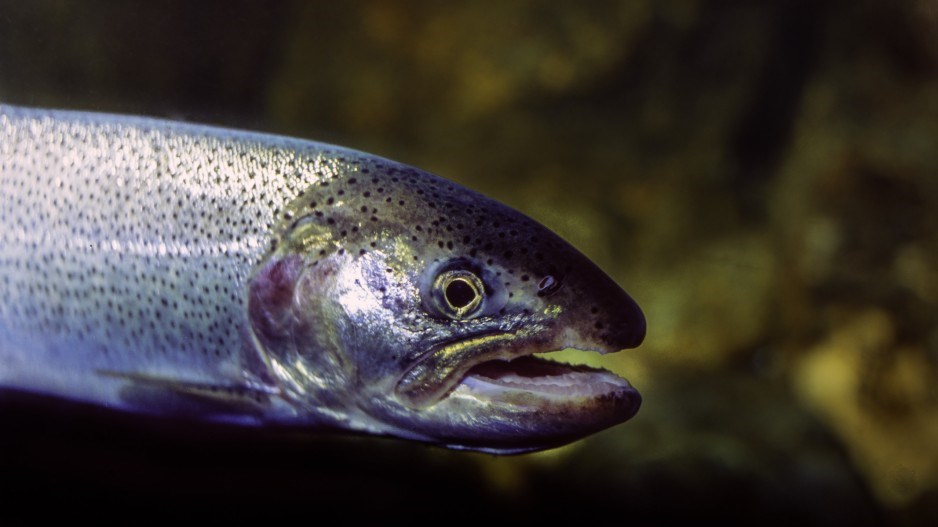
[501, 365]
[543, 376]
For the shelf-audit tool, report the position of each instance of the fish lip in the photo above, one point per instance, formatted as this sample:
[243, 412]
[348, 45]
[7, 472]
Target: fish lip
[447, 365]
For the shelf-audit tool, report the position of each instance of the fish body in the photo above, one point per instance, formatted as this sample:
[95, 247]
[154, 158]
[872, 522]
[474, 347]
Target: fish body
[161, 267]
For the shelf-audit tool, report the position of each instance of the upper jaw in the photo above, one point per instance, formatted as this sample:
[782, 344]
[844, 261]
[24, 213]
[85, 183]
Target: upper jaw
[440, 369]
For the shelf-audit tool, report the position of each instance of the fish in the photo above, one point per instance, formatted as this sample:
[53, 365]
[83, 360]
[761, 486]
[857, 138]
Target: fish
[165, 268]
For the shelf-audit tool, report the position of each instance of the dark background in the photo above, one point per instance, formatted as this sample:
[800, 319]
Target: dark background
[760, 176]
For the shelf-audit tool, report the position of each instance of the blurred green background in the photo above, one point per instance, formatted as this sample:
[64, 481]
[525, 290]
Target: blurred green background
[762, 177]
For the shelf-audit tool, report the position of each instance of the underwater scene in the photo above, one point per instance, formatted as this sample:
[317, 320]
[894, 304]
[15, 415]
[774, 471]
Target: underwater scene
[760, 177]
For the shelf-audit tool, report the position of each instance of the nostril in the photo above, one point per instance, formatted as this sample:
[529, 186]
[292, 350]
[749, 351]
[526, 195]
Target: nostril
[547, 285]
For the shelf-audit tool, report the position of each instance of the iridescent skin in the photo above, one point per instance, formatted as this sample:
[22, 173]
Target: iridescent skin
[168, 268]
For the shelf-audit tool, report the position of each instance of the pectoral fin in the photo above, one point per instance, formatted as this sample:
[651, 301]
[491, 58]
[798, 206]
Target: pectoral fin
[197, 399]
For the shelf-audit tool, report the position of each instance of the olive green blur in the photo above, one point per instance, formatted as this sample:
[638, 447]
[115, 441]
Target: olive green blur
[762, 177]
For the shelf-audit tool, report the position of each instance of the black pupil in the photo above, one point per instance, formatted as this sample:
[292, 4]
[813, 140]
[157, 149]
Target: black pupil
[459, 293]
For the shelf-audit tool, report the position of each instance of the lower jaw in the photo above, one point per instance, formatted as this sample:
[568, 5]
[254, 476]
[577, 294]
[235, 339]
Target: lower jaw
[524, 404]
[573, 399]
[504, 420]
[504, 415]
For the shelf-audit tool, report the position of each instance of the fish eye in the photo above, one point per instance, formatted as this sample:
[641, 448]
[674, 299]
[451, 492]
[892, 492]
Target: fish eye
[459, 293]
